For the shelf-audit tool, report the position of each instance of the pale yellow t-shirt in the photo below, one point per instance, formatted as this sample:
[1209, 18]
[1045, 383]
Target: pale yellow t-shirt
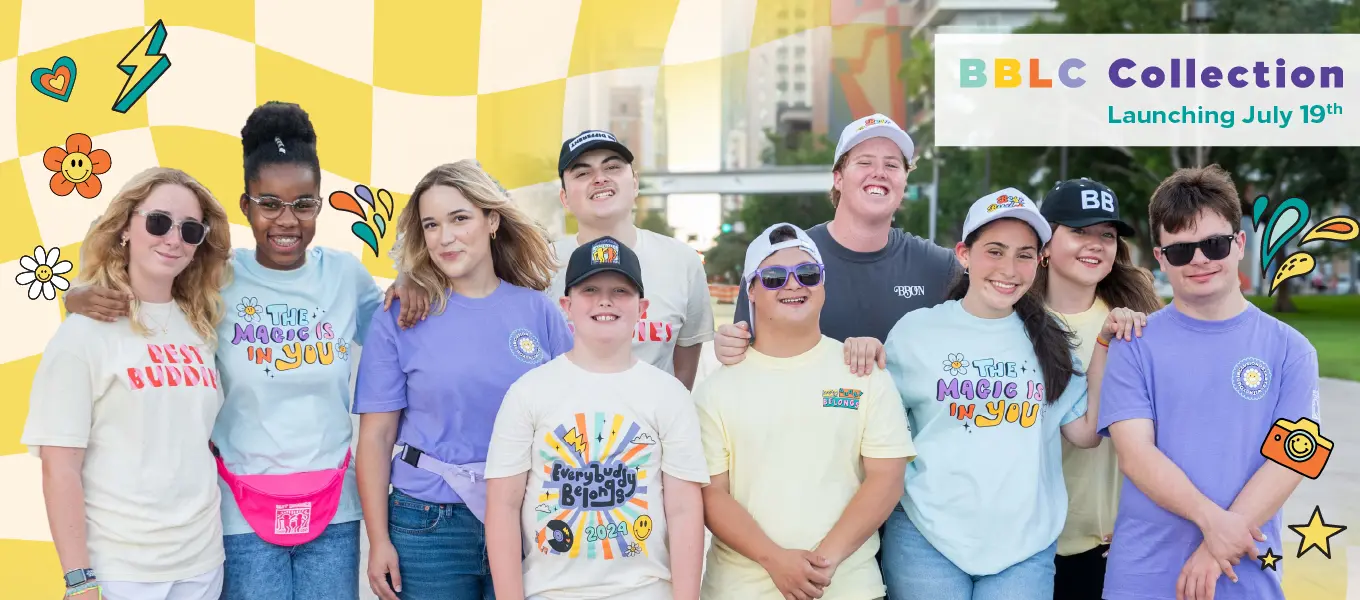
[143, 409]
[1092, 475]
[593, 522]
[790, 433]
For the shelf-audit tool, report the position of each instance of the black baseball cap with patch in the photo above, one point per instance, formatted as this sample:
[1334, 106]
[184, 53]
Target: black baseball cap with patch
[601, 255]
[1082, 203]
[591, 139]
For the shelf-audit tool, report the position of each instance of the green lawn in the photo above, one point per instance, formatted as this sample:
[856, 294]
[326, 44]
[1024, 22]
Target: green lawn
[1332, 324]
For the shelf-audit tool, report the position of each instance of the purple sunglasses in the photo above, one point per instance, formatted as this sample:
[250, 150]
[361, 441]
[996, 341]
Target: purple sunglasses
[774, 277]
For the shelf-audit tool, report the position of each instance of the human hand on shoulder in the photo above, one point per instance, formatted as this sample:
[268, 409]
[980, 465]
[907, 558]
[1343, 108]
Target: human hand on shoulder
[731, 341]
[98, 303]
[1123, 324]
[415, 304]
[862, 353]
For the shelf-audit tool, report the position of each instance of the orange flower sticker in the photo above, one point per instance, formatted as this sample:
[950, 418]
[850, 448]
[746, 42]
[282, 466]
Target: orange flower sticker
[77, 167]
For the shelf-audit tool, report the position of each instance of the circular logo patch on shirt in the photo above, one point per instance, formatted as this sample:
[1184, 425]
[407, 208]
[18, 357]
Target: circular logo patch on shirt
[525, 346]
[1251, 378]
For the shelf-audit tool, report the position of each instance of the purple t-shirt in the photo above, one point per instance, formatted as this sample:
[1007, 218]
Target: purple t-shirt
[1213, 390]
[449, 373]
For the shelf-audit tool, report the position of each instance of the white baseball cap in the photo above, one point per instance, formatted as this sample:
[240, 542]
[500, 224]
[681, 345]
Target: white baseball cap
[872, 126]
[1008, 203]
[761, 248]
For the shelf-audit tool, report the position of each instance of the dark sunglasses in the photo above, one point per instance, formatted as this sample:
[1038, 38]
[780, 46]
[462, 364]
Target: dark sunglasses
[159, 224]
[1215, 248]
[775, 277]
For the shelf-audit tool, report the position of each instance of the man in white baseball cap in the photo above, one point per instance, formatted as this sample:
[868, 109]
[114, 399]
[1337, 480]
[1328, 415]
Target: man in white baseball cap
[879, 272]
[829, 427]
[808, 274]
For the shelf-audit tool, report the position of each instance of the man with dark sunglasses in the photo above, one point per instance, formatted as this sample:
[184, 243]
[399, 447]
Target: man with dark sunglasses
[805, 459]
[1188, 406]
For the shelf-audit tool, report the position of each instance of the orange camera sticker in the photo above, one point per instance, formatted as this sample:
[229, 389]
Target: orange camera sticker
[1298, 446]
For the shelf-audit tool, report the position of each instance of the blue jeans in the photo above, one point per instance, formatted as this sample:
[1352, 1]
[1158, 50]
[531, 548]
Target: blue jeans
[915, 570]
[441, 550]
[326, 568]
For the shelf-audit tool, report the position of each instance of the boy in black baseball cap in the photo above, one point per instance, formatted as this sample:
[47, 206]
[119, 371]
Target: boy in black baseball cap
[596, 431]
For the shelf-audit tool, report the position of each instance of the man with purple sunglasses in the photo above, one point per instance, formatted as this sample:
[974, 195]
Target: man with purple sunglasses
[801, 452]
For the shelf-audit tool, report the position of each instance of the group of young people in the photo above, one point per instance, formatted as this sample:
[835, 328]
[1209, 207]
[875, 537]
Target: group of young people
[893, 419]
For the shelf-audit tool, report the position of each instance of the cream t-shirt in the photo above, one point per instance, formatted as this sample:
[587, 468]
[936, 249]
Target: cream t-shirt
[143, 409]
[676, 288]
[595, 446]
[790, 434]
[1092, 475]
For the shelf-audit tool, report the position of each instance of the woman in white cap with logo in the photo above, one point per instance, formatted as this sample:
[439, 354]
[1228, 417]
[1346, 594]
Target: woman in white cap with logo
[1083, 272]
[990, 385]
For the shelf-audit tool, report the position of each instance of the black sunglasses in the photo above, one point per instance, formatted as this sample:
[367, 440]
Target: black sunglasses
[159, 224]
[1215, 248]
[775, 277]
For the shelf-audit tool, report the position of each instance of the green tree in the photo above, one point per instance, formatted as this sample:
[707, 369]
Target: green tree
[655, 220]
[1317, 175]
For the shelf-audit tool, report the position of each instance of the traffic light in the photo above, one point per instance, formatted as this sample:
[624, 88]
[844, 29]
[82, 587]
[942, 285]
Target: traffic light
[727, 228]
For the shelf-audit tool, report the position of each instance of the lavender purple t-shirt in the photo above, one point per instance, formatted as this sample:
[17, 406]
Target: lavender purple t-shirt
[449, 373]
[1213, 390]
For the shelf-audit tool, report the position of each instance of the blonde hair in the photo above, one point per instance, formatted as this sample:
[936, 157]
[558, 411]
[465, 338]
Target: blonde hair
[520, 253]
[198, 289]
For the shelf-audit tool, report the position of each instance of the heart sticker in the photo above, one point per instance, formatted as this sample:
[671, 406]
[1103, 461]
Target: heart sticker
[57, 82]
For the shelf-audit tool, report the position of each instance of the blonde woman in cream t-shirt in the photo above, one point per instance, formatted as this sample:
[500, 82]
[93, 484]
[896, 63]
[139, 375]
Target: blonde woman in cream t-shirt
[121, 412]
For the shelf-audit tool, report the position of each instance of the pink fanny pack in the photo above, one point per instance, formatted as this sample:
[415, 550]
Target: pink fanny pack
[287, 509]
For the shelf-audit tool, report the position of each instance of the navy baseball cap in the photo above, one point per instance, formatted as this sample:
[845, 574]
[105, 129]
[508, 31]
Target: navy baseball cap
[600, 255]
[591, 139]
[1082, 203]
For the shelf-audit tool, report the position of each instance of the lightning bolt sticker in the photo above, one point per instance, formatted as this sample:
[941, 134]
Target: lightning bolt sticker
[144, 64]
[574, 438]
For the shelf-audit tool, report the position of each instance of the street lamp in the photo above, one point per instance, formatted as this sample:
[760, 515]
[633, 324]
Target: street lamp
[929, 155]
[1197, 14]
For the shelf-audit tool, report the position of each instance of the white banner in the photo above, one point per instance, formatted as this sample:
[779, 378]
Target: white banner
[1146, 90]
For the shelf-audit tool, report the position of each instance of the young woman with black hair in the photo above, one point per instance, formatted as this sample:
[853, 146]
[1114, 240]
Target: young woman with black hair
[290, 505]
[990, 386]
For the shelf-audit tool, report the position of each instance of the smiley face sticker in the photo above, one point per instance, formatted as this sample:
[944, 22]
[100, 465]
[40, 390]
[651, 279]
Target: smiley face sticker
[642, 528]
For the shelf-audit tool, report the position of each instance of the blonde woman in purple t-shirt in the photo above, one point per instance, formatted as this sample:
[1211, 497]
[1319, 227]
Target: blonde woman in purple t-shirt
[433, 390]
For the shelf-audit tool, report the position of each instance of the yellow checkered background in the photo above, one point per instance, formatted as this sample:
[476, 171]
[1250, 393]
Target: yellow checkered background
[393, 88]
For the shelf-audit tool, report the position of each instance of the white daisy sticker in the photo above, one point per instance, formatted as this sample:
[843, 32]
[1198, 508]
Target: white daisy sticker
[43, 273]
[956, 364]
[249, 309]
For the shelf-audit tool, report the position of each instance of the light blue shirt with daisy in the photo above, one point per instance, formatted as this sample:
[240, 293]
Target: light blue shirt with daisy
[286, 348]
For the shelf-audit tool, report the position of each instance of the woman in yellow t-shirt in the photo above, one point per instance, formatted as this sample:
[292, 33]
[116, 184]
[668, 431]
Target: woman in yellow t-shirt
[1085, 270]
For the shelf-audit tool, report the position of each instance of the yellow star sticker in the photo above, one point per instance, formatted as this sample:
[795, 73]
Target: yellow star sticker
[1269, 559]
[1317, 533]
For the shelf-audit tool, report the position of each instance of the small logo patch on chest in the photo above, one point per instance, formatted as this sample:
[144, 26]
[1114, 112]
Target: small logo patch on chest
[841, 398]
[1251, 378]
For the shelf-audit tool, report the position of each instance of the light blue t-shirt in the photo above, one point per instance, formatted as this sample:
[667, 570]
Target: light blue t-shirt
[986, 488]
[285, 349]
